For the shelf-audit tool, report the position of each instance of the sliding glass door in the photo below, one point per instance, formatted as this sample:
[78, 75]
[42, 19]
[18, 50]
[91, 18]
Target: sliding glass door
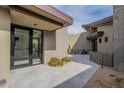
[26, 47]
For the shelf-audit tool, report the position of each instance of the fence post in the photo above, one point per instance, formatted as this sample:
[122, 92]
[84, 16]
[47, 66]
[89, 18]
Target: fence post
[112, 60]
[102, 61]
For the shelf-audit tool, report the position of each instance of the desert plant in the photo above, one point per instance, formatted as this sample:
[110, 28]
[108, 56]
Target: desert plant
[117, 79]
[55, 62]
[112, 75]
[69, 49]
[66, 59]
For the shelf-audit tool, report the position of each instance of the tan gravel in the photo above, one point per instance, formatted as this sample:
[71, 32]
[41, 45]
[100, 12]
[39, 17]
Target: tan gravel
[106, 78]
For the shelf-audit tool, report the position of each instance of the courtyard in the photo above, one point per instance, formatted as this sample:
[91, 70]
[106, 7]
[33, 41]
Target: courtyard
[74, 74]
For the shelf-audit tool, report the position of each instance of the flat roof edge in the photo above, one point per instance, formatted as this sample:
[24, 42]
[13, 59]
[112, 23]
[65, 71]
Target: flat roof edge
[56, 12]
[98, 22]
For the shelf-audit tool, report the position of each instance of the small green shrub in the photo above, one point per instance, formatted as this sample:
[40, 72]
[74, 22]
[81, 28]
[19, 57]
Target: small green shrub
[66, 59]
[55, 62]
[112, 75]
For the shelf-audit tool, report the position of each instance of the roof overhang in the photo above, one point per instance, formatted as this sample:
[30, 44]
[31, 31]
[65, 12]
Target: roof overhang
[95, 35]
[102, 22]
[48, 17]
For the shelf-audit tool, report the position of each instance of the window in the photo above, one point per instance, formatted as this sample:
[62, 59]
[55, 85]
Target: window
[106, 39]
[94, 29]
[100, 40]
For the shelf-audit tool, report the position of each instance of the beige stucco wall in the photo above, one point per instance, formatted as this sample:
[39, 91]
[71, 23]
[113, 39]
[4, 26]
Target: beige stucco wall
[72, 39]
[4, 19]
[62, 39]
[61, 43]
[79, 41]
[5, 45]
[106, 47]
[49, 40]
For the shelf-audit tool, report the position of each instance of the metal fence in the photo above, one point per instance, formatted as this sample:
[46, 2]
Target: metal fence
[102, 58]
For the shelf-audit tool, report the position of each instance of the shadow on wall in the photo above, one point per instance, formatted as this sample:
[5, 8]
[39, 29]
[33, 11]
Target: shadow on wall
[79, 44]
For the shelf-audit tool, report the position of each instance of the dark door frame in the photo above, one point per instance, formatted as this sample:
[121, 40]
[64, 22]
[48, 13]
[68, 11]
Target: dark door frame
[94, 45]
[13, 26]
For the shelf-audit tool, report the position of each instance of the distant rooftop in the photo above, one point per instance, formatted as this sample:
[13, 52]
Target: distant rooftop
[99, 22]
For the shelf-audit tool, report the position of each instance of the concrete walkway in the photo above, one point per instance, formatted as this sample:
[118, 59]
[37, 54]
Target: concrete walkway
[81, 79]
[74, 74]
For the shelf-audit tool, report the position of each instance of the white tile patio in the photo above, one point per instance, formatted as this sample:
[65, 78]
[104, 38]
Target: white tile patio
[43, 76]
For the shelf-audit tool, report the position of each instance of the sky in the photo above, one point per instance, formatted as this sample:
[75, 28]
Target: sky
[84, 14]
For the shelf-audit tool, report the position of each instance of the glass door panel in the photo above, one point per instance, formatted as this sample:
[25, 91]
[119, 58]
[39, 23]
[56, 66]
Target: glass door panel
[36, 47]
[21, 46]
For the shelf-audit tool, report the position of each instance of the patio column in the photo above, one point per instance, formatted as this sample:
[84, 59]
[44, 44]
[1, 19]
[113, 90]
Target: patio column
[118, 37]
[4, 47]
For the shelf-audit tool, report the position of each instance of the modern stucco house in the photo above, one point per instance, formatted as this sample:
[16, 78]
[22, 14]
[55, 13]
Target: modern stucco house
[105, 38]
[101, 36]
[31, 35]
[110, 39]
[97, 40]
[101, 33]
[94, 37]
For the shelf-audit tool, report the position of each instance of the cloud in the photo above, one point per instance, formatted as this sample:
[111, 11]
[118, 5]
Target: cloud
[84, 14]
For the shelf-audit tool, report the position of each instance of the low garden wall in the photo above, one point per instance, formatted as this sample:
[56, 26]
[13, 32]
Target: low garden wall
[76, 52]
[79, 51]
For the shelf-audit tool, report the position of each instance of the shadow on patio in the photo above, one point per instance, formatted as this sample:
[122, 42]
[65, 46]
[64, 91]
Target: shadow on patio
[81, 79]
